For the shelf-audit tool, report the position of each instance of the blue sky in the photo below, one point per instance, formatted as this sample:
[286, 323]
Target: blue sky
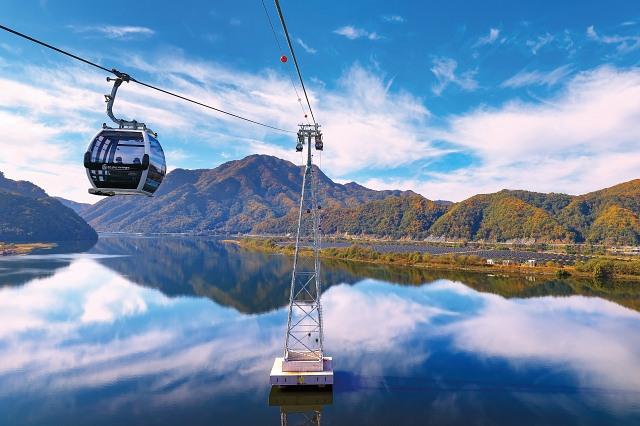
[447, 99]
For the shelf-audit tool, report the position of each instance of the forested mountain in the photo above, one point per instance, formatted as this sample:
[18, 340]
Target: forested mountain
[394, 217]
[28, 214]
[73, 205]
[260, 194]
[233, 197]
[609, 216]
[506, 215]
[21, 187]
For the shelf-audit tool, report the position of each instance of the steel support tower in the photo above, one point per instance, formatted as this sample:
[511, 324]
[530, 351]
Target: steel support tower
[303, 340]
[303, 350]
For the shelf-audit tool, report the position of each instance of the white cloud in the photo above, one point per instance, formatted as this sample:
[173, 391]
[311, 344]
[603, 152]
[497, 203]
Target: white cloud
[493, 35]
[582, 139]
[621, 41]
[305, 47]
[538, 78]
[352, 33]
[116, 32]
[318, 81]
[536, 45]
[579, 140]
[365, 118]
[444, 70]
[235, 22]
[35, 107]
[393, 18]
[11, 49]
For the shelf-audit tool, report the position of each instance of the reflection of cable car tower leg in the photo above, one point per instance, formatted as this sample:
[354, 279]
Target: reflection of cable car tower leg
[304, 362]
[300, 407]
[300, 418]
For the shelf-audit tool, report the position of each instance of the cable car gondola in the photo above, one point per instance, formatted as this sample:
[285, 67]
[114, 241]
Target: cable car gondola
[127, 160]
[319, 144]
[300, 144]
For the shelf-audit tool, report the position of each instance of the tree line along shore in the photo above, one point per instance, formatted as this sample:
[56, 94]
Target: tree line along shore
[597, 267]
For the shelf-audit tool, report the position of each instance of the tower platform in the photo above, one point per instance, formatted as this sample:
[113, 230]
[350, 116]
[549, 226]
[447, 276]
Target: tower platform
[278, 377]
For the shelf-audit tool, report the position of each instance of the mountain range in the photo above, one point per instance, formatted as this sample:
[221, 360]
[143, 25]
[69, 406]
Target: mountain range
[28, 214]
[234, 197]
[260, 194]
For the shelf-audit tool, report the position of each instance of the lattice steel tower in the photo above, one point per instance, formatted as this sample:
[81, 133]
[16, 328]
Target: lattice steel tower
[304, 337]
[304, 362]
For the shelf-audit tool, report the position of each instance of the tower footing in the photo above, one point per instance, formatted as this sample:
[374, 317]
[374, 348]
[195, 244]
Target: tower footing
[298, 378]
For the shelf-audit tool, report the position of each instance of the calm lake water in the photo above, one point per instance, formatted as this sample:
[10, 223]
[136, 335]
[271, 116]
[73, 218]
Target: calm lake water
[173, 330]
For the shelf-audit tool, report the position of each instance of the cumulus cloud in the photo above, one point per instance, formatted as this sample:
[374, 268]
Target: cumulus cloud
[366, 118]
[444, 70]
[538, 78]
[305, 47]
[580, 140]
[493, 35]
[353, 33]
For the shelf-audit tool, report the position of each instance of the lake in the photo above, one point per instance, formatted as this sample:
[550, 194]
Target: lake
[184, 330]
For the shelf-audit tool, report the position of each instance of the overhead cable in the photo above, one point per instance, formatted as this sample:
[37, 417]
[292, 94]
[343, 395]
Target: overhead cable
[118, 74]
[282, 53]
[293, 55]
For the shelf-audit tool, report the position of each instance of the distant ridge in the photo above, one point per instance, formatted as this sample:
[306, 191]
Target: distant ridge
[75, 206]
[28, 214]
[260, 194]
[609, 216]
[233, 197]
[21, 187]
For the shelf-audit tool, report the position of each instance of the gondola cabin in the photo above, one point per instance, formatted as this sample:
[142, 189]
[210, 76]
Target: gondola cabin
[124, 162]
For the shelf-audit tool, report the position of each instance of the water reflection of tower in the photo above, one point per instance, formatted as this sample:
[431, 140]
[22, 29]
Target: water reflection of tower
[302, 406]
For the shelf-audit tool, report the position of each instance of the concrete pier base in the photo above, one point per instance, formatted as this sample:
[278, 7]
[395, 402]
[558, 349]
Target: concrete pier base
[307, 373]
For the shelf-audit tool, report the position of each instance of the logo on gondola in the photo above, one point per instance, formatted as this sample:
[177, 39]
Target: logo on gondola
[110, 167]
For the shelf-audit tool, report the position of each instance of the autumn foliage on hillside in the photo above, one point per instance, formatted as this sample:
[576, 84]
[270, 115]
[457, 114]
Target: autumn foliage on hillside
[609, 216]
[261, 194]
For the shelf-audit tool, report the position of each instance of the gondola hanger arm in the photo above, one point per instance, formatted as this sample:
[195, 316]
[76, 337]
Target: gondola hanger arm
[109, 99]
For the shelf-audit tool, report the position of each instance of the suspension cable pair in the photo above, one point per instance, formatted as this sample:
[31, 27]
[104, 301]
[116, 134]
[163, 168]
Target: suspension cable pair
[118, 75]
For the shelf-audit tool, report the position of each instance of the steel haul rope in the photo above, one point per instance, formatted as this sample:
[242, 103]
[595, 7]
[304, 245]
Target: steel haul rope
[293, 55]
[119, 74]
[282, 53]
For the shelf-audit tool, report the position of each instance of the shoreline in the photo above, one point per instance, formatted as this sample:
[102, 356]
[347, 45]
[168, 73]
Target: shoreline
[559, 272]
[16, 249]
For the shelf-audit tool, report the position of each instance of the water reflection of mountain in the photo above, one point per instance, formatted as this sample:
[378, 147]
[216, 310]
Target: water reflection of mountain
[251, 282]
[41, 263]
[254, 282]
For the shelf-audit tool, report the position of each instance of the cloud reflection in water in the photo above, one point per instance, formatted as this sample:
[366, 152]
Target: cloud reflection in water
[88, 331]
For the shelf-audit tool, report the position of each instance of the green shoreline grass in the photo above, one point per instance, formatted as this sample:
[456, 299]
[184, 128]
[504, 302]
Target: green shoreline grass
[597, 267]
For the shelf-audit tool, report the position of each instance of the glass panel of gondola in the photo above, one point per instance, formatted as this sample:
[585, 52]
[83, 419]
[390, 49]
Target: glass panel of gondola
[157, 166]
[115, 160]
